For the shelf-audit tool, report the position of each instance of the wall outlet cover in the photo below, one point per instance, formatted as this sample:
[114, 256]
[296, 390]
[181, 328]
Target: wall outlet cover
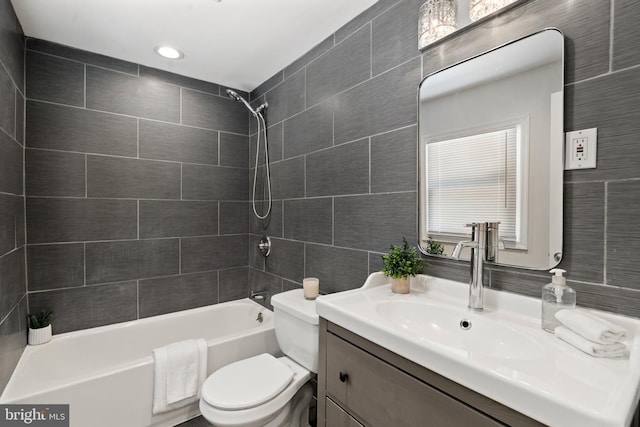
[581, 149]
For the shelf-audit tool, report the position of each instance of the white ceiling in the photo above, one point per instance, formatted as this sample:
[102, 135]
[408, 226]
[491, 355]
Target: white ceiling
[236, 43]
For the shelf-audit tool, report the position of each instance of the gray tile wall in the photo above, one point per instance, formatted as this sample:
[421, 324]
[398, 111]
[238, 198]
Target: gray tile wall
[346, 181]
[136, 188]
[13, 300]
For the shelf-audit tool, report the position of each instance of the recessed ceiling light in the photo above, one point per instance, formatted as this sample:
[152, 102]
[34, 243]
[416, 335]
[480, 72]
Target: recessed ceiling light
[169, 52]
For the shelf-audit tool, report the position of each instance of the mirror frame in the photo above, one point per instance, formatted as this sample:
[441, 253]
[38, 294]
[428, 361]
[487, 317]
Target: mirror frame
[515, 258]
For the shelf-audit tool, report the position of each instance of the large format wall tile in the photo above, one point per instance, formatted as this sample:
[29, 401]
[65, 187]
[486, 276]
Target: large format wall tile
[55, 266]
[234, 150]
[583, 237]
[13, 336]
[626, 34]
[7, 103]
[616, 120]
[164, 141]
[53, 173]
[213, 253]
[12, 280]
[623, 238]
[383, 103]
[121, 93]
[178, 80]
[344, 66]
[78, 55]
[112, 177]
[53, 79]
[309, 131]
[309, 220]
[132, 259]
[374, 222]
[394, 36]
[10, 165]
[12, 44]
[159, 218]
[339, 170]
[175, 293]
[286, 259]
[214, 112]
[286, 99]
[214, 183]
[11, 222]
[118, 179]
[393, 161]
[233, 284]
[72, 220]
[58, 127]
[88, 306]
[338, 269]
[287, 179]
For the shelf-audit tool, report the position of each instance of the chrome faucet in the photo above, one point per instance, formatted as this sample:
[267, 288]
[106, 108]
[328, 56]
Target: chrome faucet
[484, 246]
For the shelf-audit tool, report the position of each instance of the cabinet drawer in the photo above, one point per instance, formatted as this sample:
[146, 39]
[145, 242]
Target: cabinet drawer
[336, 417]
[382, 395]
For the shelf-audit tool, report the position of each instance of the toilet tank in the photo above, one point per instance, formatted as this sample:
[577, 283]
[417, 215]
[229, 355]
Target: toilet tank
[296, 325]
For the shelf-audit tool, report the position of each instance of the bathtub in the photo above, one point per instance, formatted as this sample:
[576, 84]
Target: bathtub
[105, 374]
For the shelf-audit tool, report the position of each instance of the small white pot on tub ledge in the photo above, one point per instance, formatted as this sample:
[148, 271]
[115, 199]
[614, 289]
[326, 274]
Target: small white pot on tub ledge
[40, 335]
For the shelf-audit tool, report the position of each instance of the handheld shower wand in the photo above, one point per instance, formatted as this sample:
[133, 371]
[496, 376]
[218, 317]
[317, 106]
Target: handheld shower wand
[257, 113]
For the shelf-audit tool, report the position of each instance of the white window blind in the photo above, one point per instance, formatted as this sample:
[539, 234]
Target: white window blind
[474, 179]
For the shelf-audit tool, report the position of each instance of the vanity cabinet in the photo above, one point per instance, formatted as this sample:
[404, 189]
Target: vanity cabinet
[363, 384]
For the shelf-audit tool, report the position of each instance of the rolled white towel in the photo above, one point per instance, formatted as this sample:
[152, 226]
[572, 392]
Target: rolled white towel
[590, 347]
[591, 327]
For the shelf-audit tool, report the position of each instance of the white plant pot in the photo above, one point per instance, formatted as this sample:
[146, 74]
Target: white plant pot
[40, 335]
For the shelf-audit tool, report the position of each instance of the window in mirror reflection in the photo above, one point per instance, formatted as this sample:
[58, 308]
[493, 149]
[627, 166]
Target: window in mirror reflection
[479, 177]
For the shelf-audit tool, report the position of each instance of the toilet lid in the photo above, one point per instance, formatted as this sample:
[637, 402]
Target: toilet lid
[246, 383]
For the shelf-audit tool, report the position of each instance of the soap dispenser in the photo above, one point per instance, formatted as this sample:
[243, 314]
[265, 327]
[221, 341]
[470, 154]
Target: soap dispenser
[556, 296]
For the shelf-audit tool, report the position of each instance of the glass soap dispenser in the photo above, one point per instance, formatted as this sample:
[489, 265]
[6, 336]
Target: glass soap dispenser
[556, 296]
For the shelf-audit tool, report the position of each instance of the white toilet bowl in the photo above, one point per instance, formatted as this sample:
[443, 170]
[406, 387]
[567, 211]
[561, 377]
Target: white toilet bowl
[261, 391]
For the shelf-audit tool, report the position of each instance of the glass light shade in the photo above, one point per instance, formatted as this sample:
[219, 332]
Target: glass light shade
[481, 8]
[437, 19]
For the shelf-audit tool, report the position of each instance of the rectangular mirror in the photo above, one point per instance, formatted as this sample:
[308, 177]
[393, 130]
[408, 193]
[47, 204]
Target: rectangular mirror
[490, 149]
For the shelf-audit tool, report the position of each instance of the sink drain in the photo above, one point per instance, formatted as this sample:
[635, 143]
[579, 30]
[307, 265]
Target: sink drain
[465, 324]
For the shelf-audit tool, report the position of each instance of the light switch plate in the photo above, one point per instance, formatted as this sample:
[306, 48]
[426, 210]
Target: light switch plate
[581, 148]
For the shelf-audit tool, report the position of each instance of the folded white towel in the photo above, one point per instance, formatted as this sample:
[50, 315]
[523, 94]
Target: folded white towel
[590, 347]
[179, 372]
[591, 327]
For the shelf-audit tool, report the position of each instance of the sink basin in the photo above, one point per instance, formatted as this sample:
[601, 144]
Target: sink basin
[501, 352]
[466, 333]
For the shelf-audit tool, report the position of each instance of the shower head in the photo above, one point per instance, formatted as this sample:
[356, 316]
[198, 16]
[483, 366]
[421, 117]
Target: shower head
[234, 95]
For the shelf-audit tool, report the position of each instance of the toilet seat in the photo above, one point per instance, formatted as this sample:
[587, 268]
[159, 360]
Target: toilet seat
[261, 414]
[247, 383]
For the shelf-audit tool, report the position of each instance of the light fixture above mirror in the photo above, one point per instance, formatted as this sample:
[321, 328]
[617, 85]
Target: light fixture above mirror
[439, 18]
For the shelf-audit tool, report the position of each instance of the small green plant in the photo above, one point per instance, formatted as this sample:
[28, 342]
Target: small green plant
[402, 261]
[434, 247]
[40, 321]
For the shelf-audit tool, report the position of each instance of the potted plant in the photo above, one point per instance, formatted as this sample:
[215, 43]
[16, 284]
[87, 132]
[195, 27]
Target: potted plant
[40, 327]
[399, 264]
[434, 247]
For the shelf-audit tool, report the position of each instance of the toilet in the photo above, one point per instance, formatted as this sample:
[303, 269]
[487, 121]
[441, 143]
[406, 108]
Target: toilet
[265, 391]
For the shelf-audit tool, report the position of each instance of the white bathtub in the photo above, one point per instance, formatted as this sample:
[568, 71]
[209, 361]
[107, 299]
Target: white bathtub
[105, 374]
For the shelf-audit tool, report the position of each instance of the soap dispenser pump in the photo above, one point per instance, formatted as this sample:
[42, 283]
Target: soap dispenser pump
[556, 296]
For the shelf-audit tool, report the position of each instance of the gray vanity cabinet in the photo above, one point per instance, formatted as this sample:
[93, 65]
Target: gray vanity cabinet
[362, 384]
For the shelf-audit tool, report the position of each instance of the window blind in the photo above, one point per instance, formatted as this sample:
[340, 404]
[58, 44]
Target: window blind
[473, 179]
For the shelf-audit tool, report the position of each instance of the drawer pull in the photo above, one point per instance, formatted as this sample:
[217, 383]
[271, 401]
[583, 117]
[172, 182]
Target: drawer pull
[344, 377]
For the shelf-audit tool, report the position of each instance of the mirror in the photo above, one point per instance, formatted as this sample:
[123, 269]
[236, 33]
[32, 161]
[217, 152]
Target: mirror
[490, 148]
